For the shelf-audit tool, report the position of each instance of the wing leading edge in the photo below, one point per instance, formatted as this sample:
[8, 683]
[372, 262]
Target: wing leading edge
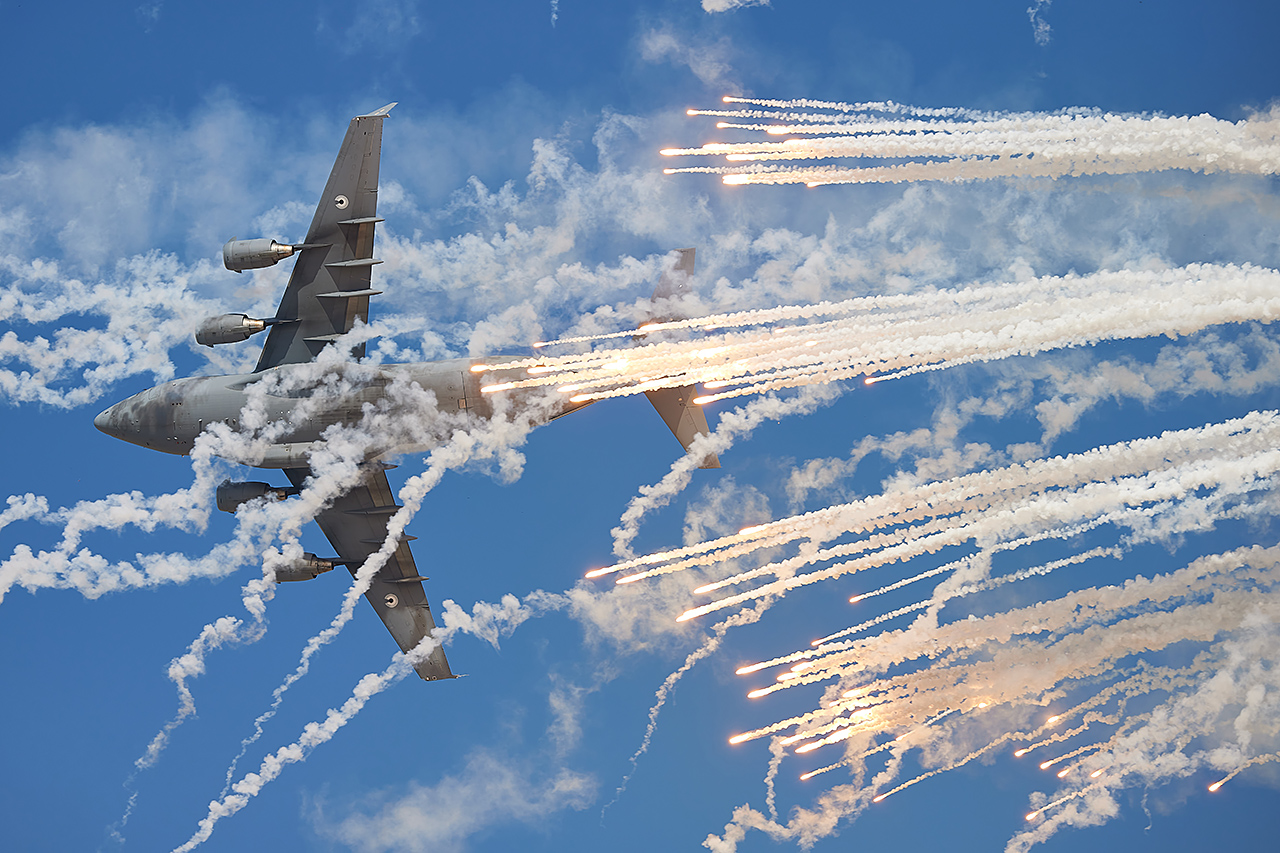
[356, 526]
[328, 293]
[329, 289]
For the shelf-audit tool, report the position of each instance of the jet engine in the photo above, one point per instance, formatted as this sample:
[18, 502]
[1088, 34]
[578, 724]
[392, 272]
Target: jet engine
[229, 329]
[305, 569]
[241, 255]
[231, 494]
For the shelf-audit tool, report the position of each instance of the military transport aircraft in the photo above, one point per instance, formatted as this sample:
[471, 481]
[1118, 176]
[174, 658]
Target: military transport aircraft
[327, 294]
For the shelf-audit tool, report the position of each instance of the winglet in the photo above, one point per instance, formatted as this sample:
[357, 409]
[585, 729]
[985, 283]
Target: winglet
[381, 111]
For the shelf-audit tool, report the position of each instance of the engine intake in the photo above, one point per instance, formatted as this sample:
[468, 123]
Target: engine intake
[229, 329]
[231, 494]
[305, 569]
[241, 255]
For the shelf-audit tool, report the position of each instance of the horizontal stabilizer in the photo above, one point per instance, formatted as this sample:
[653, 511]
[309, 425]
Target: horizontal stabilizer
[380, 111]
[685, 420]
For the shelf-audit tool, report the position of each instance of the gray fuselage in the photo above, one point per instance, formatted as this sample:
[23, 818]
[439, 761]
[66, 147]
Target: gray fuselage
[169, 417]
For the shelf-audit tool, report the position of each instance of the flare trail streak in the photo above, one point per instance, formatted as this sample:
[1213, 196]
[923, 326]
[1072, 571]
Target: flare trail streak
[893, 143]
[886, 337]
[1144, 676]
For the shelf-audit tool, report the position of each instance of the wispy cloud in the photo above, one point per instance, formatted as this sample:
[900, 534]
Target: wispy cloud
[379, 27]
[710, 61]
[494, 788]
[728, 5]
[1040, 29]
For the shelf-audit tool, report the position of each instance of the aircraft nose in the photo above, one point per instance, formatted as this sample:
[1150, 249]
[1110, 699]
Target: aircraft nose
[108, 422]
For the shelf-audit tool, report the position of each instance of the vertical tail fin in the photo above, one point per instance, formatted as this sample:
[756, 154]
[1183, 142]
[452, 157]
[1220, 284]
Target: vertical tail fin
[685, 420]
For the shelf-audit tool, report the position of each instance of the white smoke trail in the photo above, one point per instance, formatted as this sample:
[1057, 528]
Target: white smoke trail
[709, 646]
[1040, 29]
[1203, 450]
[261, 524]
[313, 734]
[884, 338]
[493, 439]
[730, 427]
[148, 305]
[1181, 481]
[190, 665]
[1065, 491]
[258, 526]
[1231, 595]
[955, 146]
[486, 621]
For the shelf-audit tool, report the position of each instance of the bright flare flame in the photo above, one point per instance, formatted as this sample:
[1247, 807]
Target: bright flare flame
[501, 386]
[1095, 774]
[1216, 785]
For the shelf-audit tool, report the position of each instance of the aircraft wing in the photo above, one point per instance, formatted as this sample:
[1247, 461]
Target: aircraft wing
[356, 526]
[330, 286]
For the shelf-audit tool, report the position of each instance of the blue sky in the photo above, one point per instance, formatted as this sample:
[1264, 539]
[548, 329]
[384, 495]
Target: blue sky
[523, 192]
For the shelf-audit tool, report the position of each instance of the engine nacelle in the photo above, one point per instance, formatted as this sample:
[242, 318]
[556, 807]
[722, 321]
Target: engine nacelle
[231, 494]
[241, 255]
[305, 569]
[228, 329]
